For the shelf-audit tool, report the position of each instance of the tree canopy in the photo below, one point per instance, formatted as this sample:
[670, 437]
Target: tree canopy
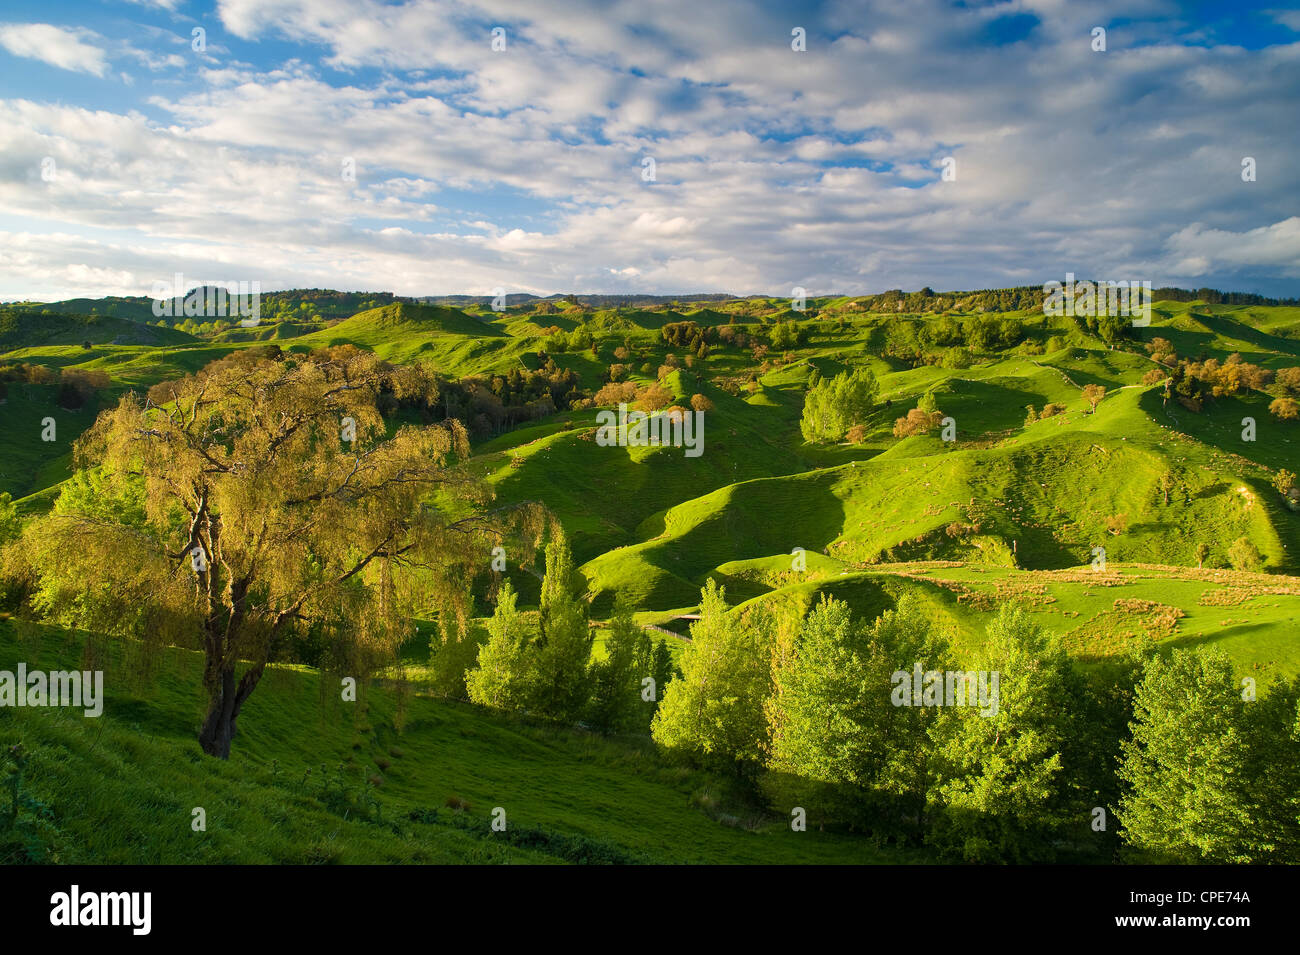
[271, 498]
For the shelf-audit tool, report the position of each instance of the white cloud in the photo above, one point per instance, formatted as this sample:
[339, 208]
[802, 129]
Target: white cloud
[523, 169]
[1275, 246]
[67, 49]
[1288, 18]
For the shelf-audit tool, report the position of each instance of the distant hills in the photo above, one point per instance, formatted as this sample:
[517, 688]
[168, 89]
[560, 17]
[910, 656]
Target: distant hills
[328, 305]
[21, 328]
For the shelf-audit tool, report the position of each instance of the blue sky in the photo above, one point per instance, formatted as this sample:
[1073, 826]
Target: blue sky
[127, 155]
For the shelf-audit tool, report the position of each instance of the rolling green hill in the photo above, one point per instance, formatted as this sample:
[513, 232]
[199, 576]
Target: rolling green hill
[24, 329]
[1013, 509]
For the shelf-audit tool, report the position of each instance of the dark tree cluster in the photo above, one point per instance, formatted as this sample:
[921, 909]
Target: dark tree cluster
[492, 404]
[1214, 297]
[685, 335]
[77, 386]
[915, 342]
[1192, 383]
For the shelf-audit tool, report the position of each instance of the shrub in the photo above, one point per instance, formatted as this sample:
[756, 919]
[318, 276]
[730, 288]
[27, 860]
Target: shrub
[1244, 555]
[916, 422]
[958, 358]
[615, 393]
[1288, 379]
[653, 397]
[1284, 481]
[1285, 409]
[1161, 350]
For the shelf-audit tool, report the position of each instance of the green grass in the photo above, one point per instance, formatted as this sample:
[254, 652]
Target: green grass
[121, 788]
[1027, 503]
[1247, 615]
[28, 462]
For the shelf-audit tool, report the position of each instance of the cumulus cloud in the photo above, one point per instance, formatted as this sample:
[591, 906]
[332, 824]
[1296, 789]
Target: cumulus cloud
[1197, 250]
[1288, 18]
[524, 168]
[68, 49]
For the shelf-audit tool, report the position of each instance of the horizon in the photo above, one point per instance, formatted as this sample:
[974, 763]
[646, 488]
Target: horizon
[660, 297]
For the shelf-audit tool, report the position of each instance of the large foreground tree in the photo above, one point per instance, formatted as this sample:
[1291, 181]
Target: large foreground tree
[274, 501]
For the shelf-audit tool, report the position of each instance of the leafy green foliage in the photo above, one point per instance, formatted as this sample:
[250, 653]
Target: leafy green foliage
[714, 713]
[1002, 780]
[1189, 794]
[616, 701]
[560, 681]
[833, 406]
[502, 679]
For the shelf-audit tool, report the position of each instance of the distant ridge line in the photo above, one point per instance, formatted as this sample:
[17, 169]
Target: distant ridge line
[336, 304]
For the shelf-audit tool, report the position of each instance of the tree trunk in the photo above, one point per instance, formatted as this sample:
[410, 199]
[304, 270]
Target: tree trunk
[219, 726]
[223, 710]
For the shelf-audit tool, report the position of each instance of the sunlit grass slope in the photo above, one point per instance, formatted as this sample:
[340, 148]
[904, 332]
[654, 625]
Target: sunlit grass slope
[316, 780]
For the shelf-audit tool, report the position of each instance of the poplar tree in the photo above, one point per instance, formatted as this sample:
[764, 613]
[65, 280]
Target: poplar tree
[826, 714]
[714, 712]
[616, 703]
[664, 671]
[834, 405]
[1273, 734]
[561, 685]
[501, 680]
[1001, 776]
[827, 711]
[910, 736]
[1188, 792]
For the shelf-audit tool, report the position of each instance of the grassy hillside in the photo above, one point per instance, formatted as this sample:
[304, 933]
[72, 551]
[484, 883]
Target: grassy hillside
[322, 781]
[653, 524]
[27, 329]
[402, 332]
[28, 463]
[1011, 510]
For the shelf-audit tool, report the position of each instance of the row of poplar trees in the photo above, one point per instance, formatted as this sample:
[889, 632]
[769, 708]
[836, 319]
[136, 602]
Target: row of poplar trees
[1161, 757]
[541, 663]
[1155, 757]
